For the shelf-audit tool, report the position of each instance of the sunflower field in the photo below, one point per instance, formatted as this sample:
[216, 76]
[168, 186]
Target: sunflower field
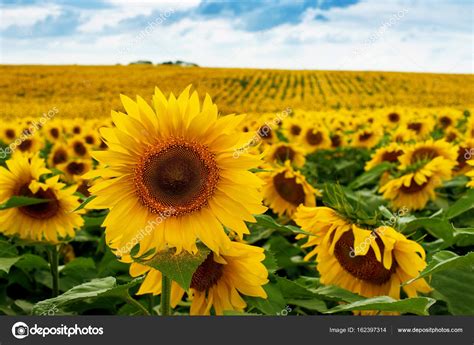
[145, 190]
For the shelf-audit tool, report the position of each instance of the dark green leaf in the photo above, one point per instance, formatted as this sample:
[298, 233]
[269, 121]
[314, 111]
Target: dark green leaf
[19, 201]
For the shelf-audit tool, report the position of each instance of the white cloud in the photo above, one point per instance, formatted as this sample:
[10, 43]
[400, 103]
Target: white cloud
[422, 40]
[27, 16]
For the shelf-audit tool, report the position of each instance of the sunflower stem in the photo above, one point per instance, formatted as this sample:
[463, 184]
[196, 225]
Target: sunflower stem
[165, 307]
[130, 300]
[53, 264]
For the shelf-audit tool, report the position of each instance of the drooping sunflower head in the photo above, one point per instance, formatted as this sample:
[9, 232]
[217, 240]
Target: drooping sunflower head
[368, 262]
[285, 189]
[49, 221]
[218, 282]
[281, 152]
[175, 166]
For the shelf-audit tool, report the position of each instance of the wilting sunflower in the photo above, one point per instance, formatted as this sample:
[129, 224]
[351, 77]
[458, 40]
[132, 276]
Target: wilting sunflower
[281, 152]
[414, 189]
[218, 282]
[285, 189]
[176, 162]
[49, 221]
[370, 263]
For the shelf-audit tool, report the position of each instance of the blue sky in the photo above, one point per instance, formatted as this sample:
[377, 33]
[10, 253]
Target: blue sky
[398, 35]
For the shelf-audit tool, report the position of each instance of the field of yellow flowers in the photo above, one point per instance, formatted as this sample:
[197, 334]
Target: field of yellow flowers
[235, 191]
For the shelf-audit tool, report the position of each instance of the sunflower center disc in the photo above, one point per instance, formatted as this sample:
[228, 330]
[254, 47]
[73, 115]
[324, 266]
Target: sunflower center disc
[391, 156]
[79, 148]
[44, 210]
[207, 274]
[75, 168]
[314, 138]
[289, 189]
[295, 130]
[394, 117]
[283, 153]
[60, 156]
[413, 188]
[365, 267]
[25, 145]
[177, 177]
[424, 153]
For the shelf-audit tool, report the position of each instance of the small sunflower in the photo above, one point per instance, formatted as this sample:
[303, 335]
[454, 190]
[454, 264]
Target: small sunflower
[419, 127]
[282, 152]
[368, 137]
[414, 189]
[53, 131]
[388, 153]
[218, 283]
[50, 221]
[59, 154]
[176, 160]
[292, 129]
[315, 138]
[285, 189]
[74, 169]
[78, 147]
[30, 144]
[370, 263]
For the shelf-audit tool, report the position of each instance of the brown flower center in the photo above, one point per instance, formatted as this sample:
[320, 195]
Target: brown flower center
[44, 210]
[336, 140]
[25, 145]
[289, 189]
[424, 153]
[59, 156]
[54, 133]
[265, 132]
[314, 138]
[295, 130]
[76, 130]
[10, 133]
[76, 168]
[413, 188]
[365, 267]
[89, 139]
[284, 153]
[365, 136]
[79, 148]
[415, 126]
[393, 117]
[177, 176]
[391, 156]
[207, 274]
[461, 157]
[445, 121]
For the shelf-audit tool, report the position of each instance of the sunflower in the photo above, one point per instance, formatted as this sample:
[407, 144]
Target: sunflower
[292, 129]
[368, 137]
[429, 150]
[388, 153]
[315, 138]
[29, 144]
[218, 282]
[282, 152]
[74, 169]
[419, 127]
[78, 147]
[49, 221]
[176, 162]
[285, 189]
[414, 189]
[447, 120]
[9, 133]
[393, 118]
[465, 153]
[53, 131]
[337, 140]
[59, 154]
[370, 263]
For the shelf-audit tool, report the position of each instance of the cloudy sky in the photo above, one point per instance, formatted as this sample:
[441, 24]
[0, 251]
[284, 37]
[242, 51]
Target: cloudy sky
[398, 35]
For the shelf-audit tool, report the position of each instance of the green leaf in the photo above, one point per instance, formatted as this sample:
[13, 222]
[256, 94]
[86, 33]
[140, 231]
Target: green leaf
[85, 202]
[464, 237]
[437, 227]
[270, 262]
[444, 260]
[274, 304]
[7, 263]
[19, 201]
[270, 223]
[7, 250]
[417, 305]
[463, 204]
[336, 293]
[179, 268]
[292, 290]
[454, 286]
[104, 287]
[371, 176]
[311, 304]
[29, 262]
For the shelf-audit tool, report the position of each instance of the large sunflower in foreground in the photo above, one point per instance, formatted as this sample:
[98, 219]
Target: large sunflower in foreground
[285, 189]
[370, 263]
[218, 282]
[173, 166]
[414, 189]
[427, 151]
[50, 221]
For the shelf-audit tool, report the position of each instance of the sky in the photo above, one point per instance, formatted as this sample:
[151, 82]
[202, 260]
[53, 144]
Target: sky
[398, 35]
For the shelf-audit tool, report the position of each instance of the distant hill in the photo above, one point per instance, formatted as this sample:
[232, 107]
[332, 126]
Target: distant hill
[179, 63]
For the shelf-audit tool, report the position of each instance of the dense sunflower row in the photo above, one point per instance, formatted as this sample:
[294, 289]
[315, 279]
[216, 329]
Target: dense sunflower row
[175, 176]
